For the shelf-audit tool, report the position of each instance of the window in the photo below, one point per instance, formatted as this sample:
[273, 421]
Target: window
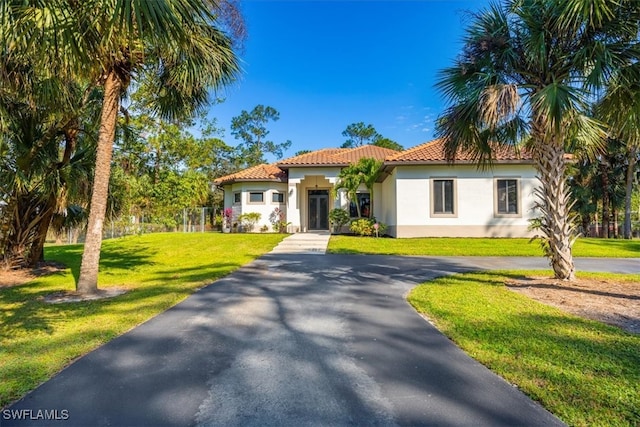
[237, 198]
[507, 197]
[443, 197]
[277, 197]
[256, 197]
[364, 201]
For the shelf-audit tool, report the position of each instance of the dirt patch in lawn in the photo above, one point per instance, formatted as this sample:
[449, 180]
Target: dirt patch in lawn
[10, 278]
[24, 275]
[608, 301]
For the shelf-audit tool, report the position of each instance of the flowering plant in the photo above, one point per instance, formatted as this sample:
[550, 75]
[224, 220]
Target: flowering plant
[278, 220]
[226, 215]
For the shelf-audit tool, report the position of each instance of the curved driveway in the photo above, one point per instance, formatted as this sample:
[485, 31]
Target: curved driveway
[295, 340]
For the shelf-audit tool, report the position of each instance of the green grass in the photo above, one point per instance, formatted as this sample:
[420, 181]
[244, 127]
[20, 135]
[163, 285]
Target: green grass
[444, 246]
[585, 372]
[38, 339]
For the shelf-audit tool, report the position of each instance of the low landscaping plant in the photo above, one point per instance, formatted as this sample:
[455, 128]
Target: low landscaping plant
[278, 220]
[338, 218]
[249, 220]
[367, 227]
[38, 339]
[585, 372]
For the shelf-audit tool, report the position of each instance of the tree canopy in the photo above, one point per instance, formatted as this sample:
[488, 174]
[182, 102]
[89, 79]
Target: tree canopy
[251, 128]
[359, 134]
[178, 47]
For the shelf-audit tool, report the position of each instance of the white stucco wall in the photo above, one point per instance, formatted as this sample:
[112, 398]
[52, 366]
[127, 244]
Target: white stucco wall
[475, 214]
[265, 209]
[403, 200]
[301, 180]
[386, 203]
[300, 173]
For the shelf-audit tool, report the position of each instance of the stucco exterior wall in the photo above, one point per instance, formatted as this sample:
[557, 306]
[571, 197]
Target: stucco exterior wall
[385, 202]
[475, 198]
[265, 209]
[301, 181]
[404, 201]
[300, 173]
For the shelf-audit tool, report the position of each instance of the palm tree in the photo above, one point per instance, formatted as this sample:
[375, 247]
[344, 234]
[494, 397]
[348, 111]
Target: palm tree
[43, 124]
[178, 44]
[366, 172]
[370, 170]
[528, 73]
[620, 109]
[350, 179]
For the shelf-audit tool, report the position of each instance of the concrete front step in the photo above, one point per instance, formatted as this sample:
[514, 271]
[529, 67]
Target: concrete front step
[306, 243]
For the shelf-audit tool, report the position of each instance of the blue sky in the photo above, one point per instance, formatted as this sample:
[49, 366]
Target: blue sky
[326, 64]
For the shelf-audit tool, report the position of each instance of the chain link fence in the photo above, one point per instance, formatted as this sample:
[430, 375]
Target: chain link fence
[194, 220]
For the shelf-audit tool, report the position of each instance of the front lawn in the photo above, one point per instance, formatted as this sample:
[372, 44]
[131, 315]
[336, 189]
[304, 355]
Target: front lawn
[444, 246]
[38, 339]
[583, 371]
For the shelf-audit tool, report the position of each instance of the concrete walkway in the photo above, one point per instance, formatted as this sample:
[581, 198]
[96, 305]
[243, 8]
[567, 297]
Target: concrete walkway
[314, 242]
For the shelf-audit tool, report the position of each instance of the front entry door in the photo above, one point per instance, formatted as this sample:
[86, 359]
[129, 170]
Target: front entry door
[318, 209]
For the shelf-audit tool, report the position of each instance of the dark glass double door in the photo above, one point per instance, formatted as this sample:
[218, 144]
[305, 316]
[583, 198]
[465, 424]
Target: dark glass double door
[318, 209]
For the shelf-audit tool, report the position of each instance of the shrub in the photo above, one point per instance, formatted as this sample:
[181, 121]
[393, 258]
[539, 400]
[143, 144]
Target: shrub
[367, 227]
[277, 218]
[218, 221]
[249, 220]
[338, 217]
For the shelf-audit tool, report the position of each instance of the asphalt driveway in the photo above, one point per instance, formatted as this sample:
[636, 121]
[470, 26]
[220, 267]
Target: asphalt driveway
[293, 340]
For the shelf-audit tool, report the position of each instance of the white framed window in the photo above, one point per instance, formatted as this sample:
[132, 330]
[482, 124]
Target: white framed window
[256, 197]
[507, 197]
[237, 198]
[444, 197]
[277, 198]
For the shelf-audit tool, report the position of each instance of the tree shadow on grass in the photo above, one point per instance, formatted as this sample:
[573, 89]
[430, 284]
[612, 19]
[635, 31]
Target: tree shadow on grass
[111, 257]
[23, 308]
[558, 357]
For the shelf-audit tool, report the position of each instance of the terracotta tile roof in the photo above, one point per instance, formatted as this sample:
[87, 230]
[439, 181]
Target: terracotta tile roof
[355, 154]
[433, 152]
[429, 152]
[256, 173]
[315, 158]
[337, 156]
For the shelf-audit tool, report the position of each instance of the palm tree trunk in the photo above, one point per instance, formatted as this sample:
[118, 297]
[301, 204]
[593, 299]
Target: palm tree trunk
[606, 213]
[633, 156]
[586, 223]
[559, 232]
[88, 280]
[36, 254]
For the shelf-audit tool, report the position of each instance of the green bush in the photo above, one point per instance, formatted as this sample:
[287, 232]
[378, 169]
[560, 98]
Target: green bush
[367, 227]
[338, 217]
[249, 220]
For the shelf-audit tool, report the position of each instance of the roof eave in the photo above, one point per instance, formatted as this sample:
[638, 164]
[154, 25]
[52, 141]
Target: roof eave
[315, 165]
[453, 163]
[233, 181]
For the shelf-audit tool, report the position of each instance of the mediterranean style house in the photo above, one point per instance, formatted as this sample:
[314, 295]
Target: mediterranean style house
[419, 193]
